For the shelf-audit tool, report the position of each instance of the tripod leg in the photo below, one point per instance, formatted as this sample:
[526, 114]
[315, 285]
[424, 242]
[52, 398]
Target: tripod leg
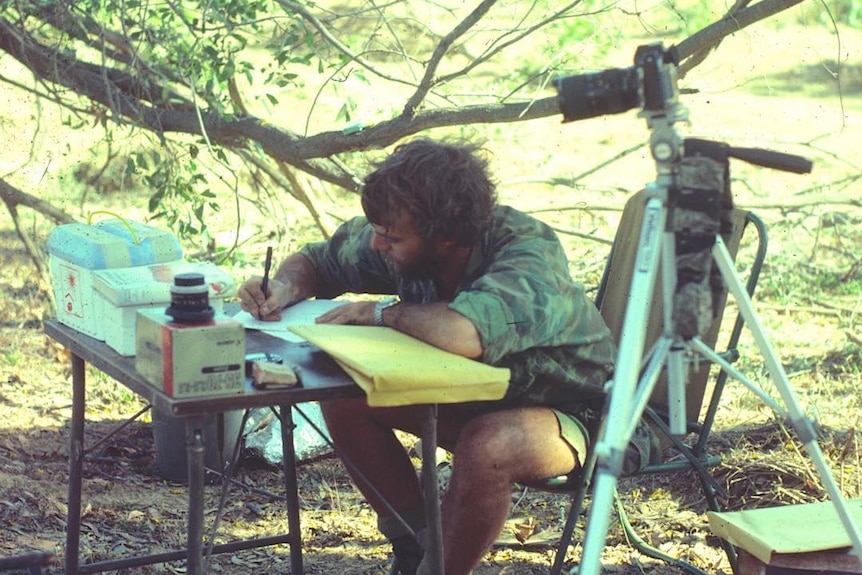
[610, 448]
[675, 362]
[801, 424]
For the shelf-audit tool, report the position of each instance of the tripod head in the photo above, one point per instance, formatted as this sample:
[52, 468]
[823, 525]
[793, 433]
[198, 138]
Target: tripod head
[650, 84]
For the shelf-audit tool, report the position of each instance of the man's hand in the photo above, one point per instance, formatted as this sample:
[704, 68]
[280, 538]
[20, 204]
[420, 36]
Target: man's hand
[354, 313]
[261, 307]
[294, 281]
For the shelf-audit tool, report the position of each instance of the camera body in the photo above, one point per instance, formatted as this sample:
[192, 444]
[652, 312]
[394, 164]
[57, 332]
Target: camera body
[650, 84]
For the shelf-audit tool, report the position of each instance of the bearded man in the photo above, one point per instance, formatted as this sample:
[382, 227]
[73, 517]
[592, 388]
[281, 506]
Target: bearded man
[477, 279]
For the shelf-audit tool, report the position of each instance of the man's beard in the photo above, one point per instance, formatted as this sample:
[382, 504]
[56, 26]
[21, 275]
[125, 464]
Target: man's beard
[422, 267]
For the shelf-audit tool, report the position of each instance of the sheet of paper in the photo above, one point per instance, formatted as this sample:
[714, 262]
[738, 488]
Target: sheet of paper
[302, 313]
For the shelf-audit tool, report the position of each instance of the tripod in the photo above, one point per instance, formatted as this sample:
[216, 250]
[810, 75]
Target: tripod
[637, 373]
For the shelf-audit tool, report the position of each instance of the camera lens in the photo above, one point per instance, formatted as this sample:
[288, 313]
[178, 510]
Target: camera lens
[607, 92]
[190, 299]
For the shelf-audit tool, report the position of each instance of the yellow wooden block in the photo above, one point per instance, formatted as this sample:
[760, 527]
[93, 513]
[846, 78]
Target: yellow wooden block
[788, 529]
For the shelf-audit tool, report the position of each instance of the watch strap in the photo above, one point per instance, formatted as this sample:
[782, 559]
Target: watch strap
[380, 306]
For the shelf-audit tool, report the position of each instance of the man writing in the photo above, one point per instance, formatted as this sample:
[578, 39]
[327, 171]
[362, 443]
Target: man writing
[476, 279]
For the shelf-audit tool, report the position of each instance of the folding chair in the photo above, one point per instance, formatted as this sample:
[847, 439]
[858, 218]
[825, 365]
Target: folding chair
[612, 298]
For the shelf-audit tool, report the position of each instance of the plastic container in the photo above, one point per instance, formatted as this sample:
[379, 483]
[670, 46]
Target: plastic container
[119, 293]
[77, 250]
[169, 436]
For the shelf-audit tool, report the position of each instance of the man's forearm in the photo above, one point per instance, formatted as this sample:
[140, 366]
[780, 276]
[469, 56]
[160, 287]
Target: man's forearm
[438, 325]
[298, 274]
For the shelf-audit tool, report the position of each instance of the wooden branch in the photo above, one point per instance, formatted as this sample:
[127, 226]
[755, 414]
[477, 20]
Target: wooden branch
[713, 34]
[812, 309]
[796, 203]
[439, 52]
[14, 197]
[295, 7]
[520, 31]
[700, 55]
[309, 200]
[583, 235]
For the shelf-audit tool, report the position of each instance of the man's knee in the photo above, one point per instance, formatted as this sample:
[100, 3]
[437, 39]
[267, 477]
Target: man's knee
[483, 442]
[520, 443]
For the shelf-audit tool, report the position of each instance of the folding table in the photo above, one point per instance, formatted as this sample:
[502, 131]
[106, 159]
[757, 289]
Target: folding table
[322, 379]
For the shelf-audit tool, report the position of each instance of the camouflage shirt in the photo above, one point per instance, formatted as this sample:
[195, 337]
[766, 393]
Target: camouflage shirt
[532, 317]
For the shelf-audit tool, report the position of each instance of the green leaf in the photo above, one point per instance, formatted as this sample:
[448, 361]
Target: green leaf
[343, 113]
[155, 200]
[131, 169]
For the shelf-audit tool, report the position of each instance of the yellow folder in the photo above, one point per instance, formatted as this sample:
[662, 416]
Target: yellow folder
[396, 369]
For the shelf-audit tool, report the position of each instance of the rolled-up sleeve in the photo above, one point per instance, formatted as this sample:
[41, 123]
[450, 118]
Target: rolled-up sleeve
[492, 317]
[346, 263]
[523, 297]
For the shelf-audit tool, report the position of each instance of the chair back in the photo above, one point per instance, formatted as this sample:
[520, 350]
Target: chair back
[615, 292]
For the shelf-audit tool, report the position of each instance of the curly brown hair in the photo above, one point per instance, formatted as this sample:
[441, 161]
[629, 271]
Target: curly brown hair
[445, 187]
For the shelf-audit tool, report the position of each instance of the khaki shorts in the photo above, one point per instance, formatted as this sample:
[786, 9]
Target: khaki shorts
[643, 446]
[573, 432]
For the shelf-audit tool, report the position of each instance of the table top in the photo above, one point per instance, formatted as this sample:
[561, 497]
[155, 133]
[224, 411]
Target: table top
[321, 378]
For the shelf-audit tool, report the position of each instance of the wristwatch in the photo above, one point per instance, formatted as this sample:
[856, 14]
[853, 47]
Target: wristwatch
[382, 305]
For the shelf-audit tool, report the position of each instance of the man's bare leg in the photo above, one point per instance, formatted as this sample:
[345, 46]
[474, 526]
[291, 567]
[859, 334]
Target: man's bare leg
[493, 452]
[365, 437]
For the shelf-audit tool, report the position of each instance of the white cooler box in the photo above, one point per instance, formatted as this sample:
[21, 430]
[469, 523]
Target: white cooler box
[77, 250]
[120, 293]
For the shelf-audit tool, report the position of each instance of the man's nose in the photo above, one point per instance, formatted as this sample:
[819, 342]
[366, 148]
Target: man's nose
[377, 243]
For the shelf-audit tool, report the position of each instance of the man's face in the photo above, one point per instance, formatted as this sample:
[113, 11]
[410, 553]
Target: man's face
[412, 256]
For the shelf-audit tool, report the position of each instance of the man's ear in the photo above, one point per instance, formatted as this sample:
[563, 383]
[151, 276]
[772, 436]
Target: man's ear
[442, 245]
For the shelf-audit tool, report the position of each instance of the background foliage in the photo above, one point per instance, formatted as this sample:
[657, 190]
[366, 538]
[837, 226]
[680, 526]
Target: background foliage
[205, 105]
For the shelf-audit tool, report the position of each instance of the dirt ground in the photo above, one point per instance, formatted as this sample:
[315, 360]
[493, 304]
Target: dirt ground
[810, 305]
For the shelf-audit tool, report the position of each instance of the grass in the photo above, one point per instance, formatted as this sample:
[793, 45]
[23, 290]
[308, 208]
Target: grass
[106, 396]
[11, 357]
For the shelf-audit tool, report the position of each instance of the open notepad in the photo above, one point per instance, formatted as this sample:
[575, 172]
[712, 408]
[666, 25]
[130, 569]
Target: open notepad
[302, 313]
[396, 369]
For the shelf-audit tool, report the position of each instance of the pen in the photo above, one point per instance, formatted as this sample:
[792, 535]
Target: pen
[264, 286]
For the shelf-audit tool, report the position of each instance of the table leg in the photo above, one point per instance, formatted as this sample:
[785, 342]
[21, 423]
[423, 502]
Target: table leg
[431, 490]
[76, 466]
[291, 487]
[195, 542]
